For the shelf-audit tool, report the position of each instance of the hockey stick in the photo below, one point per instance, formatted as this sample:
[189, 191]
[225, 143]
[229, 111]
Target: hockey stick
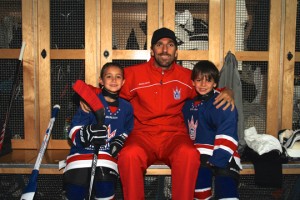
[30, 189]
[12, 94]
[87, 94]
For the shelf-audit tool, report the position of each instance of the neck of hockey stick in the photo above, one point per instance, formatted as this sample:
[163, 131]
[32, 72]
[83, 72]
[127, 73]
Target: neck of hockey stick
[12, 93]
[55, 110]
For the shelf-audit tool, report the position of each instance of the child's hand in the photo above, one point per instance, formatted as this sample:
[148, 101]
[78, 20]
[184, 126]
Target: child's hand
[94, 134]
[84, 106]
[117, 144]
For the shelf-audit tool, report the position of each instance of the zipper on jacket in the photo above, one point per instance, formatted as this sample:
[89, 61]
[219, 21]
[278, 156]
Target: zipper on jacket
[162, 73]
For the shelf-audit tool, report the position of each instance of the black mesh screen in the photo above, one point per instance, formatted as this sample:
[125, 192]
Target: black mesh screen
[67, 24]
[129, 22]
[240, 25]
[16, 116]
[63, 74]
[191, 24]
[296, 101]
[254, 90]
[127, 63]
[50, 187]
[249, 191]
[187, 63]
[298, 27]
[10, 24]
[257, 26]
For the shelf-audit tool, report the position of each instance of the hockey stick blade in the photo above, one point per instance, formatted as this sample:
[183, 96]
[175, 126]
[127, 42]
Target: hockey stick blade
[12, 94]
[31, 187]
[90, 97]
[86, 93]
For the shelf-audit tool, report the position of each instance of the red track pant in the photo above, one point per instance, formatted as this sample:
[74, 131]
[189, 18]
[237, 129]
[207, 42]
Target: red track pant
[143, 149]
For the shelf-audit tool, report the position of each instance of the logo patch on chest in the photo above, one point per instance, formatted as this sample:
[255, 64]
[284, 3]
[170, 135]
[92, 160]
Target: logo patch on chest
[177, 93]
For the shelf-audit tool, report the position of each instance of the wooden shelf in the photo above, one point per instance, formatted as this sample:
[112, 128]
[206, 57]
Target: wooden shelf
[22, 162]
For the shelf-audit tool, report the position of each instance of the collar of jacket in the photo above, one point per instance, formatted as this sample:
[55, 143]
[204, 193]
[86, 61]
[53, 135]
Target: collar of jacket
[205, 97]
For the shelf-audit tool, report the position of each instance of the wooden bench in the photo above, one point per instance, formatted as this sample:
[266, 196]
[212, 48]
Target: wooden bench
[22, 162]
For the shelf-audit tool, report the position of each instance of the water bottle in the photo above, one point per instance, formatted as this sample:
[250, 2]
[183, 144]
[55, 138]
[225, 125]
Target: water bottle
[67, 127]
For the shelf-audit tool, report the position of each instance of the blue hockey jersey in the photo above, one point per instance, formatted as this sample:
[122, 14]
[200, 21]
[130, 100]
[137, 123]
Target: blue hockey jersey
[118, 122]
[213, 130]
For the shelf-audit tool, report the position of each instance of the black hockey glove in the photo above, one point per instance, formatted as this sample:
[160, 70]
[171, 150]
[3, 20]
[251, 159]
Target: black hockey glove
[116, 144]
[94, 134]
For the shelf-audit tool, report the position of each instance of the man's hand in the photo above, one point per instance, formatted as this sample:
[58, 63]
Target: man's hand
[225, 97]
[117, 143]
[94, 134]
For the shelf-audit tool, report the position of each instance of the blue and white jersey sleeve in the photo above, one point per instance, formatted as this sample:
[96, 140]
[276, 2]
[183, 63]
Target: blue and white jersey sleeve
[226, 138]
[81, 118]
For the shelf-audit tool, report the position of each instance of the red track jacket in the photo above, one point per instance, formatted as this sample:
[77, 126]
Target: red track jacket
[158, 96]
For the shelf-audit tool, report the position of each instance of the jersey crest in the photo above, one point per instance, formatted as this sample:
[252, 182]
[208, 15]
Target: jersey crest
[192, 128]
[177, 93]
[110, 133]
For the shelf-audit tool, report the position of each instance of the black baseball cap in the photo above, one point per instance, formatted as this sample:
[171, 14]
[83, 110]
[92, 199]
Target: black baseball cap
[163, 33]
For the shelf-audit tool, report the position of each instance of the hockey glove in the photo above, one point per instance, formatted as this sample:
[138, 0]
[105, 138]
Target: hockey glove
[116, 144]
[94, 134]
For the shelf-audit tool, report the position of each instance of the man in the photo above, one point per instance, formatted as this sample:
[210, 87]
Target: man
[157, 91]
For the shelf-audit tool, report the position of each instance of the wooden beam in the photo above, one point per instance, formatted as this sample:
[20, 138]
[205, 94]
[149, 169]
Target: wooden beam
[288, 65]
[273, 106]
[214, 32]
[66, 54]
[91, 72]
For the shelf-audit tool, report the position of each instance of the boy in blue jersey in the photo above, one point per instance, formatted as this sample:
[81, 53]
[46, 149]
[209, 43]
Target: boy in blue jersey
[85, 133]
[214, 132]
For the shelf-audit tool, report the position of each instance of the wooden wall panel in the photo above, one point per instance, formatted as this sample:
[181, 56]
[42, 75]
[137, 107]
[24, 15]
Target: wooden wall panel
[44, 71]
[98, 38]
[91, 73]
[29, 66]
[288, 65]
[273, 105]
[214, 32]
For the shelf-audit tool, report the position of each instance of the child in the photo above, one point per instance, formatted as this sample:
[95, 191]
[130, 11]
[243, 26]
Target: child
[214, 132]
[84, 130]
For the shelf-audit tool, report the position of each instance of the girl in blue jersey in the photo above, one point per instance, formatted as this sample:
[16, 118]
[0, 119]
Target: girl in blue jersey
[85, 132]
[214, 132]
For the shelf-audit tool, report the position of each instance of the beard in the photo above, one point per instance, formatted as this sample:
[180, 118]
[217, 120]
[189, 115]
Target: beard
[162, 62]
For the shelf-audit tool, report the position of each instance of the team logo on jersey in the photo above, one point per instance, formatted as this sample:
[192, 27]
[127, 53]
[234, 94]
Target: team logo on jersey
[177, 93]
[110, 133]
[192, 128]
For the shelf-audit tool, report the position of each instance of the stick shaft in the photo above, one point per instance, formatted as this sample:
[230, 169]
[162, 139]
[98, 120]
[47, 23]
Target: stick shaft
[12, 94]
[94, 102]
[31, 187]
